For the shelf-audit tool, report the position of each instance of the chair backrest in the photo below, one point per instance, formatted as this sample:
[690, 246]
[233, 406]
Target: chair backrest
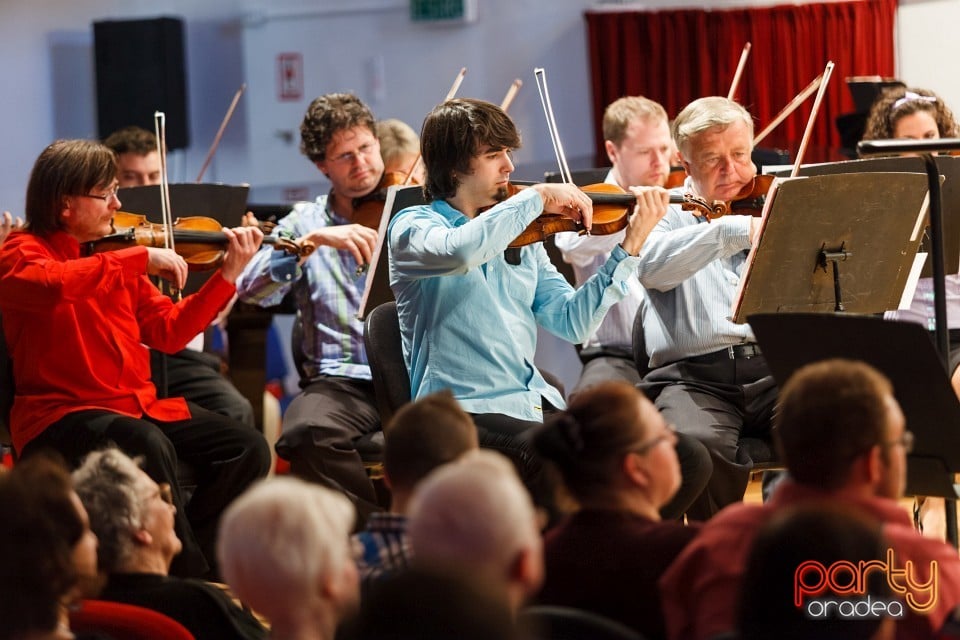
[126, 622]
[391, 380]
[567, 623]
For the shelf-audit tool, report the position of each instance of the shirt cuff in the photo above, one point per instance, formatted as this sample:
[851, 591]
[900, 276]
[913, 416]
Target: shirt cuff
[283, 266]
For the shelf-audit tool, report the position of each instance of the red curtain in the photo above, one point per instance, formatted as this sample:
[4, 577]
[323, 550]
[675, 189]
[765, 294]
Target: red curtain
[677, 56]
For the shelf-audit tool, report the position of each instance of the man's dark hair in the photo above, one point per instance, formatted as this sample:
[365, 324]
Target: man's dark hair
[830, 412]
[453, 133]
[65, 168]
[425, 434]
[328, 114]
[135, 140]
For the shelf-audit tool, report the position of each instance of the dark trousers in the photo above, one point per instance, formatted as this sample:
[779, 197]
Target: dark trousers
[318, 437]
[225, 456]
[602, 368]
[196, 376]
[716, 400]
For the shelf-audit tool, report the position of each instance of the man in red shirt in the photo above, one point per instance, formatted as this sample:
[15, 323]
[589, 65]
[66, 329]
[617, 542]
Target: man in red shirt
[76, 327]
[844, 443]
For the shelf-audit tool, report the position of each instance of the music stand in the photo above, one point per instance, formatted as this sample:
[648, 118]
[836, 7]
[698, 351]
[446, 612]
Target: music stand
[949, 168]
[829, 243]
[377, 289]
[904, 352]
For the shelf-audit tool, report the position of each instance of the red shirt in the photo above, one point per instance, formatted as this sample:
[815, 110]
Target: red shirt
[701, 589]
[76, 329]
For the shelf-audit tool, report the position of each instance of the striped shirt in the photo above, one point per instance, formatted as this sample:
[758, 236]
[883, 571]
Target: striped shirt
[326, 288]
[691, 270]
[383, 547]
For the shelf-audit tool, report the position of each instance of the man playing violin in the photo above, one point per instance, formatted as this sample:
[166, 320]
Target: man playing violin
[190, 373]
[76, 328]
[337, 404]
[469, 306]
[707, 375]
[637, 139]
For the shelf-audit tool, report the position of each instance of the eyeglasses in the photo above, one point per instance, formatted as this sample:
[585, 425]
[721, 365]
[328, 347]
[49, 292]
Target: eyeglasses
[366, 150]
[105, 197]
[669, 434]
[905, 440]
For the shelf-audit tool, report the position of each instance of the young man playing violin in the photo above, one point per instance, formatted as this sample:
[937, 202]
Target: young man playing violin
[76, 328]
[337, 404]
[469, 306]
[637, 139]
[707, 375]
[190, 373]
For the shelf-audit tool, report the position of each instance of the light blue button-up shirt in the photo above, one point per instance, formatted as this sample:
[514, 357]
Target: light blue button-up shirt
[691, 270]
[469, 319]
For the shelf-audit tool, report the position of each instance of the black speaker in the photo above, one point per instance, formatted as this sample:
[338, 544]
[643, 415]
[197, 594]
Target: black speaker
[140, 70]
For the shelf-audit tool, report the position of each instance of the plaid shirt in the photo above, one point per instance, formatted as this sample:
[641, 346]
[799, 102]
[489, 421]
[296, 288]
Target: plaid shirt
[382, 548]
[327, 290]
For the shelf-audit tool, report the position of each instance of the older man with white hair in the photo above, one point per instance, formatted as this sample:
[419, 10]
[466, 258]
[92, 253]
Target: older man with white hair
[284, 550]
[474, 515]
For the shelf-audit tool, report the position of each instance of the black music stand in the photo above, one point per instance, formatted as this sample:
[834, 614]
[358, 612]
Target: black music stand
[949, 169]
[377, 289]
[834, 243]
[904, 352]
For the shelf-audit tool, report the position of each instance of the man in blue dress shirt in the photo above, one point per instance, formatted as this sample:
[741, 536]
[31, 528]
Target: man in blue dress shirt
[707, 375]
[469, 306]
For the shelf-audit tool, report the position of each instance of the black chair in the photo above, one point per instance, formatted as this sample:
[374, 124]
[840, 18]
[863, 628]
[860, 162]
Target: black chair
[391, 380]
[567, 623]
[759, 450]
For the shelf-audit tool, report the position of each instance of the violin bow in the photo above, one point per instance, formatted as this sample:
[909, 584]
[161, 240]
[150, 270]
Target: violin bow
[450, 94]
[541, 77]
[739, 72]
[223, 126]
[511, 94]
[813, 116]
[160, 131]
[787, 110]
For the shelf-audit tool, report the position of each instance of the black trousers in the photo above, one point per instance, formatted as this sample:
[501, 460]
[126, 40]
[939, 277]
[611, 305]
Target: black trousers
[196, 376]
[318, 434]
[716, 400]
[225, 456]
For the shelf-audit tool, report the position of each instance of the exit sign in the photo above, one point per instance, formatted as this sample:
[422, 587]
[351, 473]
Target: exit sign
[443, 11]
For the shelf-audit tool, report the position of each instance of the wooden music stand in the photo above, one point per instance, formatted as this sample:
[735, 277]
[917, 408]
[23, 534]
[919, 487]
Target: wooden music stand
[377, 289]
[834, 243]
[904, 352]
[949, 168]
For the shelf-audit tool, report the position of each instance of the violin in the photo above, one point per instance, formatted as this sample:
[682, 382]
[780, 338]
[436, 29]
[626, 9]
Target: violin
[368, 209]
[749, 202]
[198, 239]
[612, 208]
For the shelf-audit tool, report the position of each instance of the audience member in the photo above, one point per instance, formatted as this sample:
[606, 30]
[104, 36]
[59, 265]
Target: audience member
[616, 455]
[824, 534]
[419, 604]
[421, 436]
[475, 516]
[133, 518]
[843, 440]
[284, 550]
[50, 553]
